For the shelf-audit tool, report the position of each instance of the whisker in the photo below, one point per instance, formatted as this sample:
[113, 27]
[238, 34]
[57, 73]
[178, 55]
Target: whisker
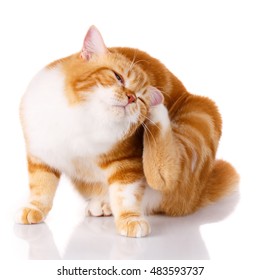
[148, 132]
[150, 121]
[126, 131]
[132, 62]
[138, 61]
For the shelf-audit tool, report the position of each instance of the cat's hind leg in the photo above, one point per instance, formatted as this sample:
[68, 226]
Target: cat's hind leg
[43, 181]
[161, 155]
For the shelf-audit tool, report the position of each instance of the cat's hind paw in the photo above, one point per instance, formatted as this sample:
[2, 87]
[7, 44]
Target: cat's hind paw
[98, 208]
[29, 215]
[133, 226]
[159, 116]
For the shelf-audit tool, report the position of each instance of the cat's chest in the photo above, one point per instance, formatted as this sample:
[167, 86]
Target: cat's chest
[66, 137]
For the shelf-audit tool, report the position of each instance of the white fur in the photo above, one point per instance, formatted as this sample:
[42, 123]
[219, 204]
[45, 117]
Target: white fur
[151, 200]
[104, 101]
[58, 133]
[98, 206]
[126, 194]
[159, 114]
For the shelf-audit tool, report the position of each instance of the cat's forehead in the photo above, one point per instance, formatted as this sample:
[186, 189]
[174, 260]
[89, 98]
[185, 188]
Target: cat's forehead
[132, 73]
[125, 65]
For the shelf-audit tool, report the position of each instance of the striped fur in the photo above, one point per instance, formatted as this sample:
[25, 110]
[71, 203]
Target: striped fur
[127, 133]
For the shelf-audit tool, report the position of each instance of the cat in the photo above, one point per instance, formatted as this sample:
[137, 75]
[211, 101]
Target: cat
[124, 129]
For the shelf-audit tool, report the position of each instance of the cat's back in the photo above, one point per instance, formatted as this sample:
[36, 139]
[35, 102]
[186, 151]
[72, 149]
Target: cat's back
[42, 86]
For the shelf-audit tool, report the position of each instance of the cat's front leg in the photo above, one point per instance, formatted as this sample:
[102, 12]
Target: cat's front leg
[126, 204]
[43, 181]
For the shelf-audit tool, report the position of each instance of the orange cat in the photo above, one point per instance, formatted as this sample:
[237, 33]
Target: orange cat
[126, 132]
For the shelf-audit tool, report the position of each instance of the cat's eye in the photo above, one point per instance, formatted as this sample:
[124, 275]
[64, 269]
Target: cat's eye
[119, 78]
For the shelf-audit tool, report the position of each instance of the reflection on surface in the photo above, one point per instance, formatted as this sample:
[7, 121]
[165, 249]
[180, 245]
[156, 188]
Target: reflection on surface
[95, 238]
[40, 240]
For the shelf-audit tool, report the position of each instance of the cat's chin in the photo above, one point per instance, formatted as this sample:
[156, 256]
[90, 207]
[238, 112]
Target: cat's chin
[119, 112]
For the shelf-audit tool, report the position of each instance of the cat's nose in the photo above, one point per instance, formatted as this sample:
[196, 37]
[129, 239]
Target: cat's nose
[131, 98]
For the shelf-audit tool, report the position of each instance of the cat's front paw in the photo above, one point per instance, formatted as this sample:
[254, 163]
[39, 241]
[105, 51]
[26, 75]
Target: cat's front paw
[97, 207]
[133, 226]
[29, 215]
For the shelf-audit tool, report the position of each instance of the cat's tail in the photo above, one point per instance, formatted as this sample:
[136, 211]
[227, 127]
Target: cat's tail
[223, 180]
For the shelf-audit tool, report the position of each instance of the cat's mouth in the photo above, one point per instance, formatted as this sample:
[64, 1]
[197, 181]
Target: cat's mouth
[122, 107]
[124, 110]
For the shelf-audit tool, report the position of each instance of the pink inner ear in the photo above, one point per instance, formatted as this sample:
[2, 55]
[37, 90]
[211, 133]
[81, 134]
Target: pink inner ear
[156, 96]
[93, 44]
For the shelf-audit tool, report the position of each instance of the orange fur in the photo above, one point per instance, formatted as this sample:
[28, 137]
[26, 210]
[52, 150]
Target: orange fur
[178, 161]
[43, 181]
[196, 125]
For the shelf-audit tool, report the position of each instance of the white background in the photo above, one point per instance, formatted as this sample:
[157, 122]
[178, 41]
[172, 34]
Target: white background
[213, 47]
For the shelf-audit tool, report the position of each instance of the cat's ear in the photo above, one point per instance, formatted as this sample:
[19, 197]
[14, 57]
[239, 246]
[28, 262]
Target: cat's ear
[93, 44]
[156, 96]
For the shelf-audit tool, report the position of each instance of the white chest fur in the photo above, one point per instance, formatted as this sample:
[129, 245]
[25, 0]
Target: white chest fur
[67, 137]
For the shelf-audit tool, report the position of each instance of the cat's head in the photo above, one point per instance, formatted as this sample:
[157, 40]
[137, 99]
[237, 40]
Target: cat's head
[115, 87]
